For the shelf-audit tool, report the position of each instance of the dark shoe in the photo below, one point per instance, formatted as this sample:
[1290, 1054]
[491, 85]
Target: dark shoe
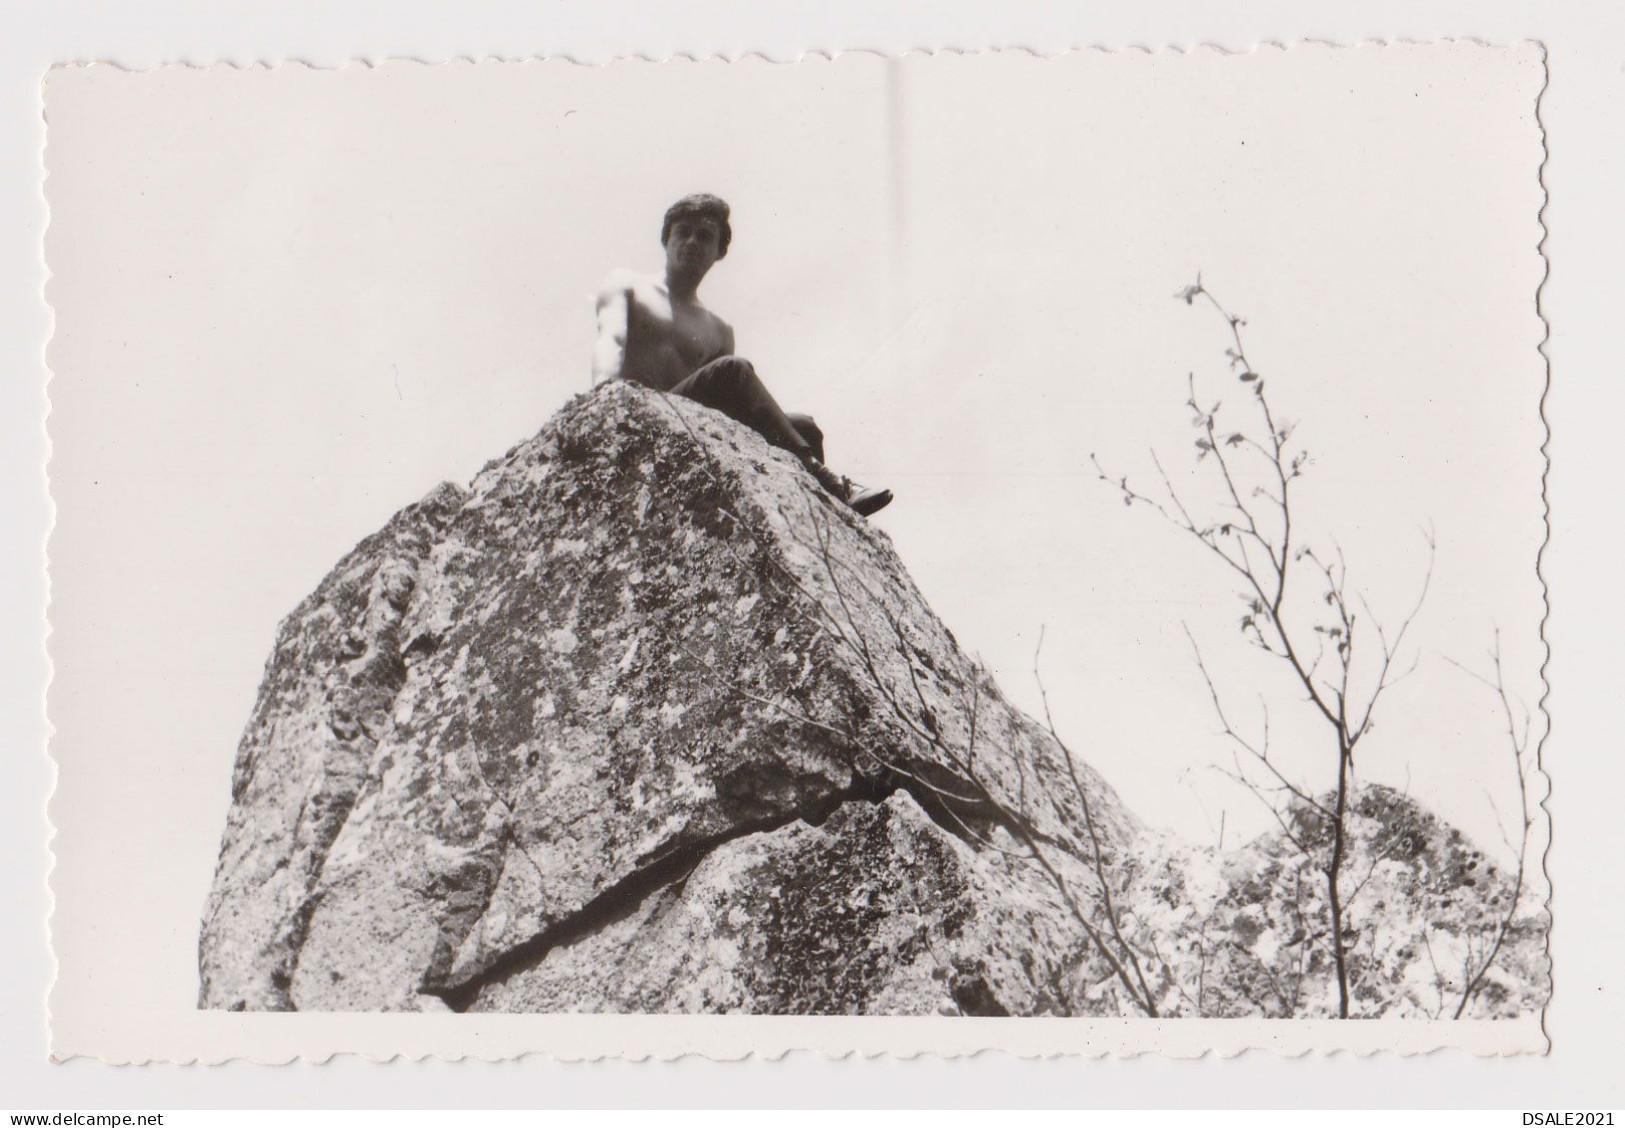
[866, 501]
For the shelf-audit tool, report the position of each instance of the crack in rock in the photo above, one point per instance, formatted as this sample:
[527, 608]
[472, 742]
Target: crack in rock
[616, 902]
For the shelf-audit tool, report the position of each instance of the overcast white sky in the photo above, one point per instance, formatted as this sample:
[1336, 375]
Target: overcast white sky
[290, 302]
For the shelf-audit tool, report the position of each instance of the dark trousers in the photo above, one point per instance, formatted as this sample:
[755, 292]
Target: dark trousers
[730, 385]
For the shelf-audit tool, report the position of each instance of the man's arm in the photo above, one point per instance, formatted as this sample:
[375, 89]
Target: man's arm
[614, 313]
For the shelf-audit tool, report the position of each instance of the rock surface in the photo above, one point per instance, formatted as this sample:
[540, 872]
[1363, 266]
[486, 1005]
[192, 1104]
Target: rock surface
[643, 721]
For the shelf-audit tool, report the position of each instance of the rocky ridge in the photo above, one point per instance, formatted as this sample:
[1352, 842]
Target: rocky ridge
[643, 721]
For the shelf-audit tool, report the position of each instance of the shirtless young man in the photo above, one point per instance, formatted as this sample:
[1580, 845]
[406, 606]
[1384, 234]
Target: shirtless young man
[653, 330]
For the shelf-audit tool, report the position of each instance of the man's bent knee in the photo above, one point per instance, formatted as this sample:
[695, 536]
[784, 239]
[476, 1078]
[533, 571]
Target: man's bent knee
[730, 371]
[727, 378]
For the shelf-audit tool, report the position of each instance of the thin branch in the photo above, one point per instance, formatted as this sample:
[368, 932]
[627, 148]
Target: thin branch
[1518, 738]
[1089, 824]
[1260, 755]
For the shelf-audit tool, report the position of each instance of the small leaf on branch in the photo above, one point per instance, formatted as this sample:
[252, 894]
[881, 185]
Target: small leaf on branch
[1249, 376]
[1236, 439]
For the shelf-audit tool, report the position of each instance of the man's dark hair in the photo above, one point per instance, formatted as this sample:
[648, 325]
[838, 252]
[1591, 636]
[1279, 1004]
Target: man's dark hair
[701, 205]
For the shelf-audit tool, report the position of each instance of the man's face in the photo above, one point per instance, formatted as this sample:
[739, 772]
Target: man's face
[693, 246]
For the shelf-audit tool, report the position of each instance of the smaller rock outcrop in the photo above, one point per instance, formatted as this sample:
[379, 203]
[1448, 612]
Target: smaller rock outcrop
[1249, 927]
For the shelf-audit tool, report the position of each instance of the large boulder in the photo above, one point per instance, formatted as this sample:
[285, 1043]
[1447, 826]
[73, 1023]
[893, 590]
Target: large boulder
[644, 721]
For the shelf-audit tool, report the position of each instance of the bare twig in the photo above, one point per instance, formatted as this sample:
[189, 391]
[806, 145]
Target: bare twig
[1518, 739]
[1097, 858]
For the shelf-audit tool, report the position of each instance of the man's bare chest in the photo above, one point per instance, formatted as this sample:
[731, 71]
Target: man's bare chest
[696, 335]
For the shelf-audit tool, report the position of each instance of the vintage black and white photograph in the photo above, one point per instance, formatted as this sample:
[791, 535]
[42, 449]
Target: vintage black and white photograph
[930, 538]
